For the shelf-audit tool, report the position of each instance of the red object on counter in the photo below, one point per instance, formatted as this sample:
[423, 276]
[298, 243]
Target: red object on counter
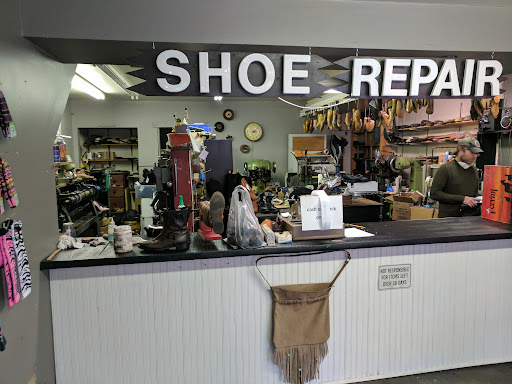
[497, 193]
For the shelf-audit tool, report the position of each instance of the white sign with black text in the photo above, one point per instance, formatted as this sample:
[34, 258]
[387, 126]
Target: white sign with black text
[313, 216]
[394, 276]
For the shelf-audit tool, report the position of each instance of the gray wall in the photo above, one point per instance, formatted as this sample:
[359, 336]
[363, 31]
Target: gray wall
[36, 89]
[471, 25]
[277, 119]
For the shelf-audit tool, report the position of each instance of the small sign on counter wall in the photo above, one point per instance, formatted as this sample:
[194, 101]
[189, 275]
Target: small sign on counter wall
[394, 276]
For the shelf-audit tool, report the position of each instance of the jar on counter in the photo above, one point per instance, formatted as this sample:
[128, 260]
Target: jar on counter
[123, 239]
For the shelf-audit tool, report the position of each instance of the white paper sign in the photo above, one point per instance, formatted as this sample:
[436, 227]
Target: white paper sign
[395, 276]
[311, 212]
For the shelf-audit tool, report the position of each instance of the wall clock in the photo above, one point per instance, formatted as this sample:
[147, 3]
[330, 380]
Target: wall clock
[253, 131]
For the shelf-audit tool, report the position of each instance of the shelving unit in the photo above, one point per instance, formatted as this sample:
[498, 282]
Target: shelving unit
[118, 157]
[123, 133]
[363, 153]
[425, 130]
[439, 126]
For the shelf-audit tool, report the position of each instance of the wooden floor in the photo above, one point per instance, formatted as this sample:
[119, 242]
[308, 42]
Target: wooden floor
[485, 374]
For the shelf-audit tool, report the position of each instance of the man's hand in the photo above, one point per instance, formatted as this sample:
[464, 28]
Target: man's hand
[470, 201]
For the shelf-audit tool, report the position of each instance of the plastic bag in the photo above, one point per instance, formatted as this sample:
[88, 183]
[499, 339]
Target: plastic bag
[243, 229]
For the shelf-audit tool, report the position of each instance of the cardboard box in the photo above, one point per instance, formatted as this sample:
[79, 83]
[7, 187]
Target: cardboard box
[422, 213]
[106, 155]
[298, 234]
[104, 229]
[404, 207]
[401, 211]
[497, 193]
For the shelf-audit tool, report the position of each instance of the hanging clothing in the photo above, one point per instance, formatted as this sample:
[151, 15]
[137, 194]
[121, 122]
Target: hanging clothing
[13, 257]
[7, 189]
[6, 122]
[23, 268]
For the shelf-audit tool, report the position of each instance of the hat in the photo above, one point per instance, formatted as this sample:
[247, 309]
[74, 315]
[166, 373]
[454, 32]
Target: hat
[472, 144]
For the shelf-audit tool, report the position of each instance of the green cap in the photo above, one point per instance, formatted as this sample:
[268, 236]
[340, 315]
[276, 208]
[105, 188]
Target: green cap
[181, 202]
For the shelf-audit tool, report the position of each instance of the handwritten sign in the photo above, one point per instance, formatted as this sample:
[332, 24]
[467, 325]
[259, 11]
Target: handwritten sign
[394, 276]
[311, 212]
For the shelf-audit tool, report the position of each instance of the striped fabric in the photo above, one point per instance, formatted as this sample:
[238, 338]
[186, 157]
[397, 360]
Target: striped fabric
[6, 122]
[7, 184]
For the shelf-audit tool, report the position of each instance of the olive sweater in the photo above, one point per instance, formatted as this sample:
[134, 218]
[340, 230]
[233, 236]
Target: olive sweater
[451, 184]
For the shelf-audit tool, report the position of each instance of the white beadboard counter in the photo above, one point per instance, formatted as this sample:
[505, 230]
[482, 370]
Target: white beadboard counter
[209, 319]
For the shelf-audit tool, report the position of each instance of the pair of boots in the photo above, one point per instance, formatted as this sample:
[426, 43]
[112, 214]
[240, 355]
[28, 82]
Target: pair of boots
[265, 203]
[175, 235]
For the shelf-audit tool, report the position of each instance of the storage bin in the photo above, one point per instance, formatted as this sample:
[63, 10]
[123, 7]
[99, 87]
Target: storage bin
[144, 191]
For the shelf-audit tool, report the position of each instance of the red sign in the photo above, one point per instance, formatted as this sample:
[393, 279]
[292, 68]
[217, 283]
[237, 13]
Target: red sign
[497, 193]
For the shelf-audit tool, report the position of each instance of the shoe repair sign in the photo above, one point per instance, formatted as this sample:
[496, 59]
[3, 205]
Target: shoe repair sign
[209, 73]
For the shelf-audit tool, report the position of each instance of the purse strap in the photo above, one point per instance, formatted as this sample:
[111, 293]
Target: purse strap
[309, 254]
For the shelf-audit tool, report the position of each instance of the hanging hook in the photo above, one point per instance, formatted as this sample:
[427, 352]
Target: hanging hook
[309, 51]
[492, 55]
[357, 52]
[153, 45]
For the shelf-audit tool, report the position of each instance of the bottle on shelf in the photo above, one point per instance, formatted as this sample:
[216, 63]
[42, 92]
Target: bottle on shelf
[56, 151]
[110, 229]
[59, 150]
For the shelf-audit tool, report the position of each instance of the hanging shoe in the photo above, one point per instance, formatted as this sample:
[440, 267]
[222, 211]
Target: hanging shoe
[99, 207]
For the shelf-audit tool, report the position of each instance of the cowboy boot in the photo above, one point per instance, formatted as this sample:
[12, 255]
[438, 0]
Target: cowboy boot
[212, 212]
[175, 234]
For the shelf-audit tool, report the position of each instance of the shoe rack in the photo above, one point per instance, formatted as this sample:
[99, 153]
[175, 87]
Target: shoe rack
[122, 156]
[363, 154]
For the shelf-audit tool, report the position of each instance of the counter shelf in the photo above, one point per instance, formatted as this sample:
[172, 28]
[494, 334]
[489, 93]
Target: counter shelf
[387, 234]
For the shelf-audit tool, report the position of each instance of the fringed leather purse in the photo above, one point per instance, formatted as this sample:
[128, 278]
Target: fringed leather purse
[301, 327]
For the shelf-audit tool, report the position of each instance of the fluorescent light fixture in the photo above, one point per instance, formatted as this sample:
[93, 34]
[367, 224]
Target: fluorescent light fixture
[95, 76]
[84, 86]
[332, 91]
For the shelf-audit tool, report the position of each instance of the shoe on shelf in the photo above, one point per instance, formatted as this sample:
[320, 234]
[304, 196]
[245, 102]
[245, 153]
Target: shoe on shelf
[99, 207]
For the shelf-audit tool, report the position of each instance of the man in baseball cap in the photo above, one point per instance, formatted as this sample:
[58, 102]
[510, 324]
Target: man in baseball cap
[456, 183]
[470, 143]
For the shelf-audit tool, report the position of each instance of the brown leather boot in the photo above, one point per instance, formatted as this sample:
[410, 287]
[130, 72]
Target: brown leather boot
[212, 212]
[175, 235]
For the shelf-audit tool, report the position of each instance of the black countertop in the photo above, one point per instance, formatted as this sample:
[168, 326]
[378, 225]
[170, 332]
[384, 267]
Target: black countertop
[387, 234]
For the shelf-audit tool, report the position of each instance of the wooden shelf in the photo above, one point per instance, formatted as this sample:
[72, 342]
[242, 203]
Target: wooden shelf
[440, 126]
[430, 142]
[63, 163]
[116, 160]
[104, 145]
